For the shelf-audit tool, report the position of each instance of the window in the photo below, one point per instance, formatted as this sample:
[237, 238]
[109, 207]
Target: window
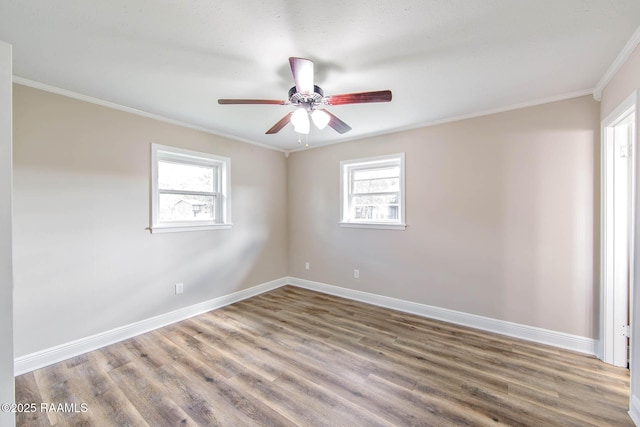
[372, 192]
[190, 190]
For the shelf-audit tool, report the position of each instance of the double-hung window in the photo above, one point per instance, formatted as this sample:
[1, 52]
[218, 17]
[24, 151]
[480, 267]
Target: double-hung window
[190, 190]
[372, 192]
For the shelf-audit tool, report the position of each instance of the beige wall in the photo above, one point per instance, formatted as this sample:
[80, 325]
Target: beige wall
[502, 213]
[84, 262]
[623, 84]
[6, 277]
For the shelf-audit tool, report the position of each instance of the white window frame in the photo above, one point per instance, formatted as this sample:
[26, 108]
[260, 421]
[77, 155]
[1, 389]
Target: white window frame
[346, 168]
[222, 193]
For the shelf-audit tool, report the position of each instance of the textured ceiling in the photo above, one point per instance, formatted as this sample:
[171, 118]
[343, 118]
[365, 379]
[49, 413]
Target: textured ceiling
[441, 59]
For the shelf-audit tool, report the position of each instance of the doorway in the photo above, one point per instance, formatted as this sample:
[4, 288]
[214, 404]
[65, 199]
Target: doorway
[618, 204]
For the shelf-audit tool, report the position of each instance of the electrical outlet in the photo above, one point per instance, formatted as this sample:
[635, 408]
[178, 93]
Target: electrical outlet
[307, 266]
[179, 288]
[356, 274]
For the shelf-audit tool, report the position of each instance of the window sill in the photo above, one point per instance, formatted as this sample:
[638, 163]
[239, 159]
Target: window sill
[378, 225]
[182, 228]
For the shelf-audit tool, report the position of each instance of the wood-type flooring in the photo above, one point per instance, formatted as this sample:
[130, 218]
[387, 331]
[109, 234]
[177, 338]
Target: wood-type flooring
[293, 357]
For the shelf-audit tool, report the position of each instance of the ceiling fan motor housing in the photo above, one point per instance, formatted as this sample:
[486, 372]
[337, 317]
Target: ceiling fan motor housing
[303, 97]
[308, 101]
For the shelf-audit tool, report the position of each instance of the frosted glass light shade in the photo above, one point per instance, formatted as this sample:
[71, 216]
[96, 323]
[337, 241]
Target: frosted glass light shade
[320, 118]
[300, 121]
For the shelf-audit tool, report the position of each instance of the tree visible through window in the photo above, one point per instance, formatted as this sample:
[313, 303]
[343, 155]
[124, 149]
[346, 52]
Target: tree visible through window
[187, 192]
[190, 189]
[372, 191]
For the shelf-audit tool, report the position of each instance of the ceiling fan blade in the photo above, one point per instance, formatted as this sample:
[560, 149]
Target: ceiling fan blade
[251, 101]
[281, 124]
[359, 98]
[337, 124]
[302, 70]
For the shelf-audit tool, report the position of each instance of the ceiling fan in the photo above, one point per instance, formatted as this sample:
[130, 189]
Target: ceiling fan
[308, 97]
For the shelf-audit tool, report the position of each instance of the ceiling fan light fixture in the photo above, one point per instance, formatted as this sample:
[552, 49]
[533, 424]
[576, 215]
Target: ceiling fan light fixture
[306, 96]
[320, 118]
[300, 121]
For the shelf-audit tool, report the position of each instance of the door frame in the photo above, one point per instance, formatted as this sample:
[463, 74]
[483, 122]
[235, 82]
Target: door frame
[609, 349]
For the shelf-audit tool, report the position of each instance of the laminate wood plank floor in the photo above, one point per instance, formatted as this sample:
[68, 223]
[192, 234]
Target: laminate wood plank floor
[294, 357]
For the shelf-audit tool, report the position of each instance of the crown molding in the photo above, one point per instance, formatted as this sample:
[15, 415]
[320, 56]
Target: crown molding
[81, 97]
[473, 115]
[622, 57]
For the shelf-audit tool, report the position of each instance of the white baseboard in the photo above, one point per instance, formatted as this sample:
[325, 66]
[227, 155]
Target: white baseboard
[634, 409]
[40, 359]
[529, 333]
[599, 349]
[46, 357]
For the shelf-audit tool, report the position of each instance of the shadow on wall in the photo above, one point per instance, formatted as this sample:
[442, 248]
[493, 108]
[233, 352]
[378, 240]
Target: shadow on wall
[102, 278]
[546, 241]
[226, 262]
[212, 263]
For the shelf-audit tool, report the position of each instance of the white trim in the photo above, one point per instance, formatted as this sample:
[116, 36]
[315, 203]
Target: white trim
[46, 357]
[622, 57]
[346, 166]
[606, 345]
[599, 351]
[380, 226]
[40, 359]
[627, 104]
[481, 113]
[529, 333]
[222, 166]
[634, 409]
[70, 94]
[159, 229]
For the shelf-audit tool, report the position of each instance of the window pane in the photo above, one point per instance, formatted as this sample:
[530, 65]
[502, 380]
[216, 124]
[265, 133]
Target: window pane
[382, 180]
[385, 207]
[178, 207]
[385, 185]
[388, 172]
[180, 176]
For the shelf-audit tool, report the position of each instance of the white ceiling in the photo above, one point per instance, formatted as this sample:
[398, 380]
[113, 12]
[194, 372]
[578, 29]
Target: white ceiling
[441, 59]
